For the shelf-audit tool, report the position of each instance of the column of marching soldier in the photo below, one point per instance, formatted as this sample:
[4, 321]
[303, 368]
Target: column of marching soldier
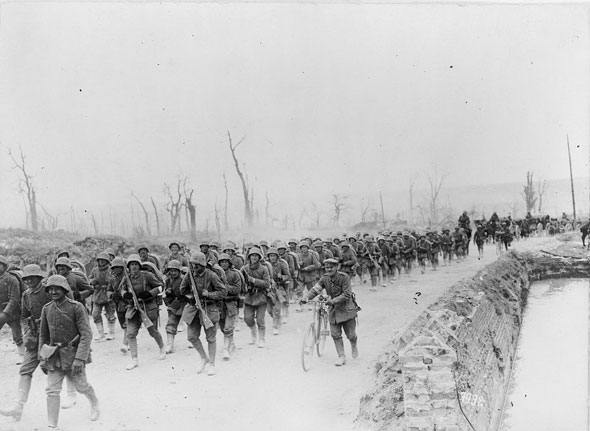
[205, 290]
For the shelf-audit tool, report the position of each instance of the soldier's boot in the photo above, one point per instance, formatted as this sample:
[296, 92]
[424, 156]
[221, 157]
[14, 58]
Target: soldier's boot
[94, 409]
[201, 351]
[52, 411]
[133, 349]
[232, 345]
[125, 345]
[276, 324]
[339, 343]
[212, 347]
[354, 348]
[71, 395]
[169, 343]
[21, 354]
[100, 329]
[261, 341]
[160, 342]
[285, 313]
[253, 334]
[111, 333]
[24, 386]
[227, 339]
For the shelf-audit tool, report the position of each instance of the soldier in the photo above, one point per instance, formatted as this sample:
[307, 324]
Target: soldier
[114, 293]
[333, 248]
[145, 288]
[174, 248]
[446, 246]
[323, 254]
[459, 243]
[210, 291]
[408, 250]
[146, 256]
[479, 238]
[349, 261]
[237, 260]
[33, 300]
[343, 309]
[257, 278]
[423, 249]
[10, 306]
[281, 279]
[394, 256]
[174, 301]
[211, 256]
[435, 241]
[64, 347]
[384, 259]
[229, 310]
[308, 266]
[359, 249]
[80, 287]
[99, 280]
[370, 261]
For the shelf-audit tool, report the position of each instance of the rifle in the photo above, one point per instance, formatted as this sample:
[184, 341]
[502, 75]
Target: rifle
[144, 317]
[207, 323]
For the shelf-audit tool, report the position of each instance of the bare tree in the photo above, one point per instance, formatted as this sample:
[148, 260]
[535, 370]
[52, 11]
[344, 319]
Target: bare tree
[225, 217]
[302, 215]
[174, 205]
[541, 189]
[145, 214]
[317, 214]
[339, 205]
[217, 222]
[436, 182]
[52, 221]
[26, 187]
[156, 215]
[248, 201]
[364, 210]
[191, 207]
[528, 193]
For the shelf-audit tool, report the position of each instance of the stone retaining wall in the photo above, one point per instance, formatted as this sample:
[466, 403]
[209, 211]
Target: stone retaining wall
[449, 368]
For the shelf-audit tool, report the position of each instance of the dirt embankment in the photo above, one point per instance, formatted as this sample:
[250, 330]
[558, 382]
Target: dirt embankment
[448, 369]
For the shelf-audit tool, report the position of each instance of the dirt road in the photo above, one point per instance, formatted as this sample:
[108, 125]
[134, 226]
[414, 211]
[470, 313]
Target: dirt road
[262, 389]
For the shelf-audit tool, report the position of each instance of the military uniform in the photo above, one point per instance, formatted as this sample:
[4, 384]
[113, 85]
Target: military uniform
[258, 283]
[343, 311]
[281, 279]
[10, 305]
[99, 279]
[229, 310]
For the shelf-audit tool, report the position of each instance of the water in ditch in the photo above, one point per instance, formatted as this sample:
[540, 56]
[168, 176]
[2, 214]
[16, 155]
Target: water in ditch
[549, 383]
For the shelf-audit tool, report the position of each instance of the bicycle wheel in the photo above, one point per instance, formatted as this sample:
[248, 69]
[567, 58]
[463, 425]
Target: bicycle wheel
[308, 346]
[322, 333]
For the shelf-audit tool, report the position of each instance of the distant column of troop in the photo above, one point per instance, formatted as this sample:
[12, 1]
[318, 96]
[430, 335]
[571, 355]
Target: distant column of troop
[202, 292]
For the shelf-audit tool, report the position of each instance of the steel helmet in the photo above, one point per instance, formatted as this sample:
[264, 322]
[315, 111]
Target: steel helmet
[103, 256]
[118, 262]
[174, 243]
[272, 250]
[63, 261]
[255, 250]
[228, 246]
[142, 247]
[198, 258]
[303, 244]
[281, 245]
[225, 256]
[60, 281]
[134, 258]
[204, 242]
[345, 244]
[33, 270]
[173, 264]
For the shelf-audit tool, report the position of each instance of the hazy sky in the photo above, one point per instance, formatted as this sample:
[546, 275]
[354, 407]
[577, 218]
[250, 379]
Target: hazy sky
[106, 98]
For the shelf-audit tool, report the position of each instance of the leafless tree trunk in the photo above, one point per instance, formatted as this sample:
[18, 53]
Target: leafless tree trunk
[156, 215]
[317, 214]
[364, 210]
[436, 184]
[51, 220]
[225, 217]
[191, 208]
[94, 225]
[248, 210]
[528, 193]
[217, 222]
[27, 214]
[339, 205]
[173, 206]
[145, 214]
[26, 187]
[301, 216]
[541, 189]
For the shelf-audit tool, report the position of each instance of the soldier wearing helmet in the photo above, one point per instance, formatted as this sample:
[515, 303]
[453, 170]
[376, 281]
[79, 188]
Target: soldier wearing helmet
[211, 291]
[114, 293]
[323, 253]
[236, 285]
[308, 268]
[175, 254]
[237, 260]
[80, 287]
[258, 282]
[349, 261]
[33, 300]
[10, 305]
[146, 287]
[146, 256]
[408, 251]
[292, 260]
[99, 280]
[211, 255]
[423, 250]
[174, 301]
[281, 279]
[64, 323]
[343, 309]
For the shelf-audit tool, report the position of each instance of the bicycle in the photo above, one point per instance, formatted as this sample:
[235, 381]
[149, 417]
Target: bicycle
[316, 332]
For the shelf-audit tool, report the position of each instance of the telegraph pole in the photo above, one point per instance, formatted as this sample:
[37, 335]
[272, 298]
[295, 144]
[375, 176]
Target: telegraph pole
[571, 180]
